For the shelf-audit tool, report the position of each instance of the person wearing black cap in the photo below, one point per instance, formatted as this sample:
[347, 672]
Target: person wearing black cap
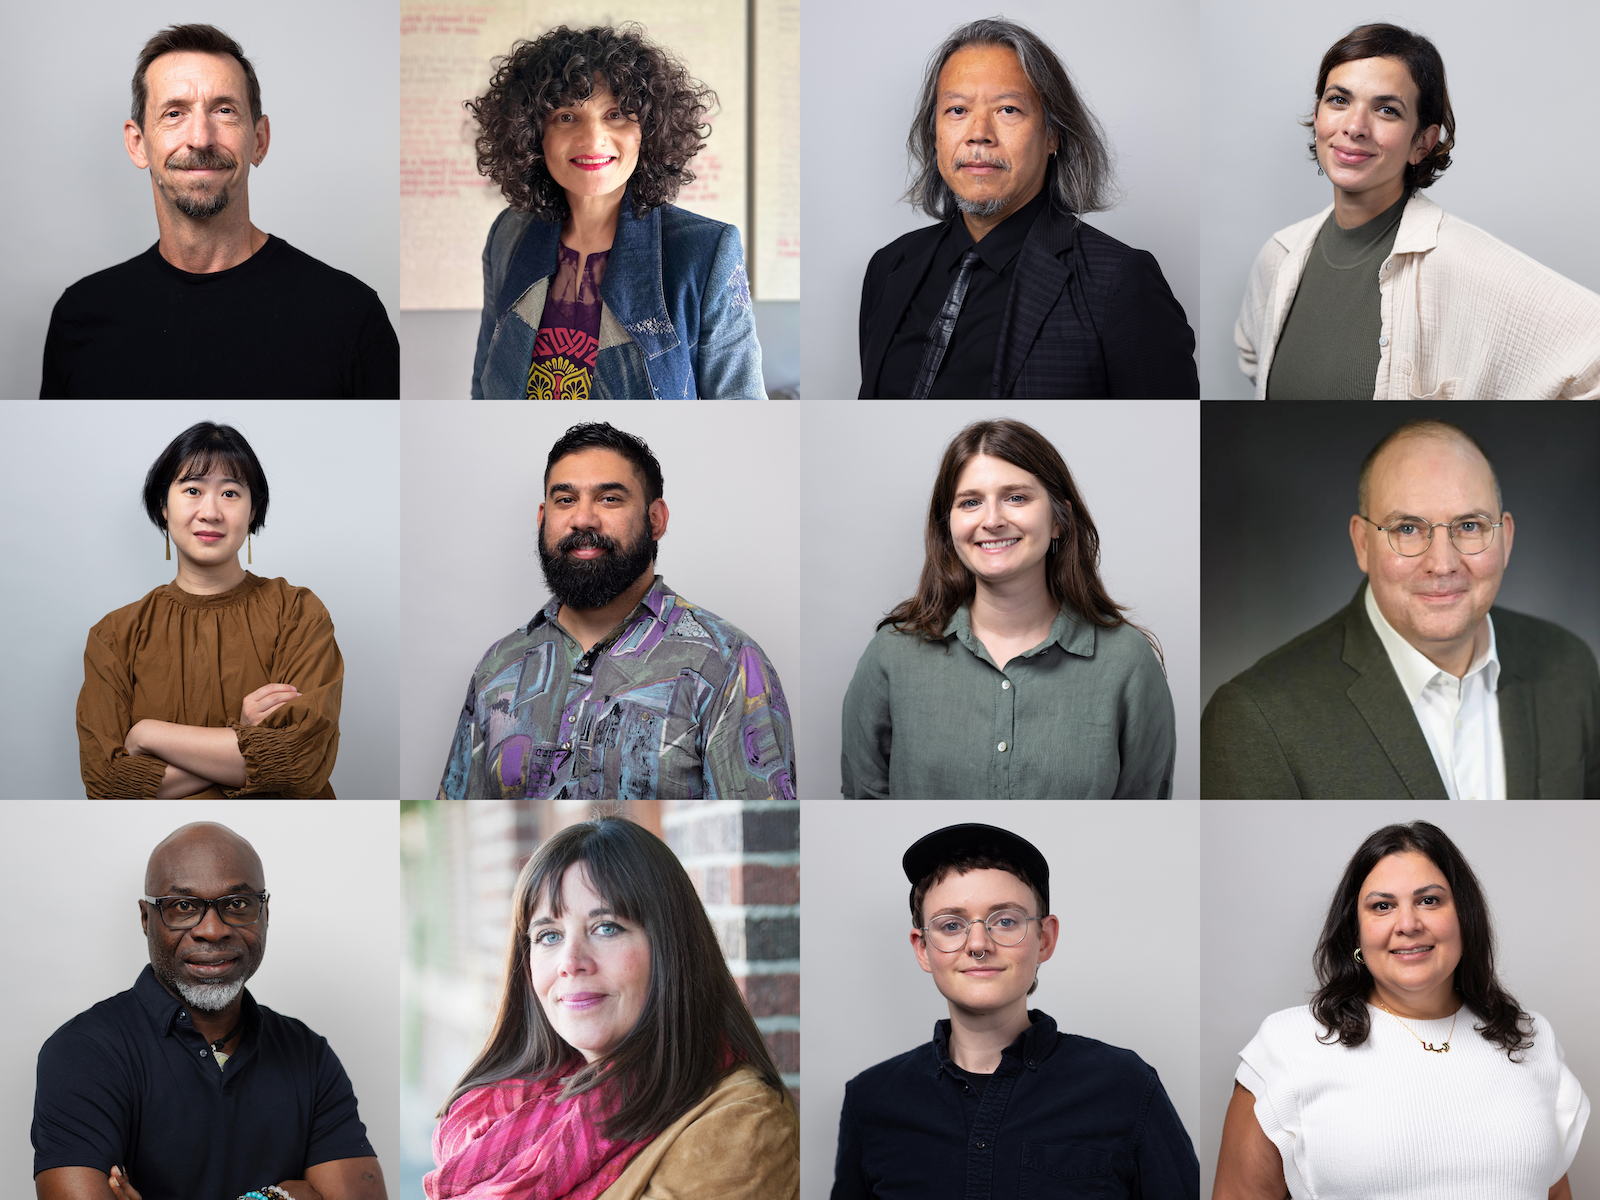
[1000, 1103]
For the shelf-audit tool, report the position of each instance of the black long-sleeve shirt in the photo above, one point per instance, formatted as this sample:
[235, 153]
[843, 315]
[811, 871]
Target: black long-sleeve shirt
[1062, 1116]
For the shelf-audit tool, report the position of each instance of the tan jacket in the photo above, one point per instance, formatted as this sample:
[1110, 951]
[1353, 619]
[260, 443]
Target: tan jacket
[742, 1142]
[1465, 317]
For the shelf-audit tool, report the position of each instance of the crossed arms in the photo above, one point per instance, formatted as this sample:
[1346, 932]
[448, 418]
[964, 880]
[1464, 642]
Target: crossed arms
[341, 1179]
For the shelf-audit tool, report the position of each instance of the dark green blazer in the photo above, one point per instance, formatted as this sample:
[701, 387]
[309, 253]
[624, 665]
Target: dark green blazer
[1325, 717]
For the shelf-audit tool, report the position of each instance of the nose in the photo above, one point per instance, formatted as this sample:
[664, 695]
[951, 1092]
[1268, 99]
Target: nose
[211, 928]
[574, 958]
[1441, 557]
[978, 939]
[980, 129]
[209, 509]
[585, 515]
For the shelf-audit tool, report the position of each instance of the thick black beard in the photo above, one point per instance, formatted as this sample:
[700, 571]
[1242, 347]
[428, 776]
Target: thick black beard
[594, 582]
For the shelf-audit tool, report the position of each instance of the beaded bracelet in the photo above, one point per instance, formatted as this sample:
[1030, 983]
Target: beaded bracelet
[271, 1192]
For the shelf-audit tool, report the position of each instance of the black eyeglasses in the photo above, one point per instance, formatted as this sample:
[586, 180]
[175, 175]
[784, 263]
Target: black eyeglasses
[185, 912]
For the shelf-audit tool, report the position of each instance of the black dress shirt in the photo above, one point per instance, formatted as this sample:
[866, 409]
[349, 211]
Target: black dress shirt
[131, 1083]
[1063, 1116]
[969, 359]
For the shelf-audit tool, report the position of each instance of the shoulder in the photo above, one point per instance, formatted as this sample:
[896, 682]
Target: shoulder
[1096, 245]
[507, 651]
[892, 648]
[290, 1031]
[116, 625]
[1531, 646]
[1312, 659]
[112, 284]
[689, 237]
[689, 622]
[683, 223]
[1125, 649]
[279, 595]
[907, 245]
[507, 231]
[100, 1030]
[329, 282]
[888, 1081]
[1085, 1055]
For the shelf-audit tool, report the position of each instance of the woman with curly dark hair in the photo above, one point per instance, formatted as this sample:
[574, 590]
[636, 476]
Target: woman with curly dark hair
[1413, 1074]
[1383, 295]
[594, 284]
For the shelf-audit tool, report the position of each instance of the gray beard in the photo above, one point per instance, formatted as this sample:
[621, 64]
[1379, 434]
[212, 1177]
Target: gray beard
[200, 207]
[209, 997]
[982, 208]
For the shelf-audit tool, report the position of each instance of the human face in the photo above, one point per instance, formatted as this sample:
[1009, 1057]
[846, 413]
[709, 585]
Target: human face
[1001, 521]
[592, 147]
[590, 968]
[206, 966]
[1410, 934]
[596, 535]
[985, 977]
[208, 517]
[990, 131]
[198, 140]
[1437, 600]
[1366, 129]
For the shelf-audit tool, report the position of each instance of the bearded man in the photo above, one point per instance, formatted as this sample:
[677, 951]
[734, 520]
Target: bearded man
[618, 688]
[184, 1087]
[217, 307]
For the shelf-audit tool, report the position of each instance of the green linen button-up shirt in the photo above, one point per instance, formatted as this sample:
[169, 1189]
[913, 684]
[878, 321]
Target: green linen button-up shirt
[1085, 714]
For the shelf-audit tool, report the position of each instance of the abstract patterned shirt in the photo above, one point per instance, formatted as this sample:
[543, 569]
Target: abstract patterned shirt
[569, 331]
[674, 703]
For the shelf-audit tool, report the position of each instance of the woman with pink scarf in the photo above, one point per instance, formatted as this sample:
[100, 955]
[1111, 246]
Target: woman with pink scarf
[623, 1063]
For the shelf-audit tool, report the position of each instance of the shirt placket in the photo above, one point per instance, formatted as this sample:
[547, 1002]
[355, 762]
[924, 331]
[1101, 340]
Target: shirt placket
[1003, 748]
[983, 1132]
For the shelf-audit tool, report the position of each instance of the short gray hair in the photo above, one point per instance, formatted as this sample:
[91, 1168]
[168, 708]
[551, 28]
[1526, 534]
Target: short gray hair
[1080, 180]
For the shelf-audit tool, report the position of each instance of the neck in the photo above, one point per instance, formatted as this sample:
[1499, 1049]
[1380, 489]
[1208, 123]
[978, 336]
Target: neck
[1357, 208]
[976, 1039]
[1013, 608]
[202, 246]
[592, 227]
[979, 227]
[1431, 1005]
[199, 580]
[590, 625]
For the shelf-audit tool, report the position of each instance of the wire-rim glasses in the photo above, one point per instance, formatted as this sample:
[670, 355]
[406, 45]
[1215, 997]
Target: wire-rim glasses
[185, 912]
[1411, 536]
[950, 933]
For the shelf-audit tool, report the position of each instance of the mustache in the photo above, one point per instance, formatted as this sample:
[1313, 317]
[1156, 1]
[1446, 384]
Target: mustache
[587, 539]
[201, 160]
[982, 160]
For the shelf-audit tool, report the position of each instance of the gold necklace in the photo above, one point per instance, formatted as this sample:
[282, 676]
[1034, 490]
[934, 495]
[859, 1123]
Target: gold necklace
[1444, 1049]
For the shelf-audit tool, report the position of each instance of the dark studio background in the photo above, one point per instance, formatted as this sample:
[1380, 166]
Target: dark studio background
[1278, 488]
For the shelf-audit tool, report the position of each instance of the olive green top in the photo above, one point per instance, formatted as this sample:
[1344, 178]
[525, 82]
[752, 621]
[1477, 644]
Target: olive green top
[1329, 347]
[1085, 714]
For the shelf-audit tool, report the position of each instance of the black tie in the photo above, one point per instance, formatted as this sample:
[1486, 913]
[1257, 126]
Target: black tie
[943, 326]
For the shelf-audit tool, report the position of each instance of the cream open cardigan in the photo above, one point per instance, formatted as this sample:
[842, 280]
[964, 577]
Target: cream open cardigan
[1465, 317]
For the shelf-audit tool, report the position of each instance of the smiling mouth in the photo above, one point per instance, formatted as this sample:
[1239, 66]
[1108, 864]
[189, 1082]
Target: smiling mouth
[1411, 951]
[1001, 544]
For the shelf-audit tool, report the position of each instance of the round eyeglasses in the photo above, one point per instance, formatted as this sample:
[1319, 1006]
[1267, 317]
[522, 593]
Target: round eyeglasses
[185, 912]
[1411, 536]
[950, 933]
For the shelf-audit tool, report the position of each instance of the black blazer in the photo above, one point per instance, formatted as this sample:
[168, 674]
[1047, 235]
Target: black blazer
[1087, 316]
[1325, 717]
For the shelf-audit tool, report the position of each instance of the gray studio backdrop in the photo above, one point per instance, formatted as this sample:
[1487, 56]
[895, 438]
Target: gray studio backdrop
[1134, 64]
[474, 474]
[1124, 881]
[329, 185]
[1268, 874]
[869, 474]
[1517, 176]
[78, 545]
[1279, 487]
[91, 854]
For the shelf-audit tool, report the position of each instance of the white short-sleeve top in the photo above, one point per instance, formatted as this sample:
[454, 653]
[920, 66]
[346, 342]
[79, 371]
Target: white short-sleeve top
[1388, 1120]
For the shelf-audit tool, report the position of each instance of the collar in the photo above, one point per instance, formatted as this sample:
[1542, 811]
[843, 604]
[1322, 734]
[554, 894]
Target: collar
[1000, 245]
[1073, 636]
[1418, 232]
[168, 1014]
[1031, 1047]
[659, 602]
[1413, 667]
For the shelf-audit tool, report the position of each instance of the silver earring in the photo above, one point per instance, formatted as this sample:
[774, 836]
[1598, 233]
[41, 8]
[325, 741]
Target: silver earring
[1053, 542]
[1358, 958]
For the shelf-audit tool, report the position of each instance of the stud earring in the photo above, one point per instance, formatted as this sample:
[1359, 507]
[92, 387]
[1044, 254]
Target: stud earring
[167, 537]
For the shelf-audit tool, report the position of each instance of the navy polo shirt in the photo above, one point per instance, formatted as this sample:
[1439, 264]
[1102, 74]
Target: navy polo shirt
[1062, 1116]
[131, 1083]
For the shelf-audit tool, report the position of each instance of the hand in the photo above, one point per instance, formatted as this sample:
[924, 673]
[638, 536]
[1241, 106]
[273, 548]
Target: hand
[299, 1189]
[261, 703]
[120, 1186]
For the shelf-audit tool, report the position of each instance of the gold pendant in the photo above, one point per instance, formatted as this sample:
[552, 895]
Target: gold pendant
[1444, 1049]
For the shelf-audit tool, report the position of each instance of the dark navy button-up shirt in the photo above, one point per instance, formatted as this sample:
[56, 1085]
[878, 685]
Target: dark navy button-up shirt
[1062, 1116]
[132, 1083]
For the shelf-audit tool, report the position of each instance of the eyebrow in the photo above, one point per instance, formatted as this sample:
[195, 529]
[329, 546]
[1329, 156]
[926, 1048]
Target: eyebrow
[224, 479]
[599, 487]
[593, 912]
[998, 96]
[233, 890]
[1007, 487]
[182, 102]
[1386, 98]
[1396, 515]
[956, 911]
[1427, 887]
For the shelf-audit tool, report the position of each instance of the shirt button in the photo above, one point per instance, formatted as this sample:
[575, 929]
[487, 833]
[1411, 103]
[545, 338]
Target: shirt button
[1383, 341]
[202, 1054]
[1002, 747]
[566, 745]
[1005, 685]
[982, 1145]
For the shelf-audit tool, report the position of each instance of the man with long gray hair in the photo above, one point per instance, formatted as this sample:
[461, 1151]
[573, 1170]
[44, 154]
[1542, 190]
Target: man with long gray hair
[1011, 294]
[183, 1087]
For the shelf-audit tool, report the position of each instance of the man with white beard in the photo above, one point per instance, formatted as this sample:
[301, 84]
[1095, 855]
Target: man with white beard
[183, 1087]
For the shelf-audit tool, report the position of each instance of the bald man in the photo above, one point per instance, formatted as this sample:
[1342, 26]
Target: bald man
[1420, 688]
[184, 1088]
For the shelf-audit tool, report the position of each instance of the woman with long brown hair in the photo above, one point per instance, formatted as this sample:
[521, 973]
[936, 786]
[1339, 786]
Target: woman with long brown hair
[1011, 673]
[623, 1062]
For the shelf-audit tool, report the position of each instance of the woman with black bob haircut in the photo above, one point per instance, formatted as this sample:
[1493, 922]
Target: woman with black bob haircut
[220, 683]
[1413, 1073]
[1384, 295]
[623, 1062]
[1011, 673]
[594, 284]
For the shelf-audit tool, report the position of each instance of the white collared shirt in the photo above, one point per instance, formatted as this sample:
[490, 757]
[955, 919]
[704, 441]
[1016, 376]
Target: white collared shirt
[1459, 717]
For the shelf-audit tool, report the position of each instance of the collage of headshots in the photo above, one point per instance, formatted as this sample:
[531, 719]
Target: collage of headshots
[1107, 565]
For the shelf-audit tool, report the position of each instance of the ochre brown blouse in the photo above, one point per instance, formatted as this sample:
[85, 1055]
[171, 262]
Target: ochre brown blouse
[192, 660]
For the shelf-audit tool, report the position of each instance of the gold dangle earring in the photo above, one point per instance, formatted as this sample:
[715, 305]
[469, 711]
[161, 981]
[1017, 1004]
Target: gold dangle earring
[247, 553]
[167, 537]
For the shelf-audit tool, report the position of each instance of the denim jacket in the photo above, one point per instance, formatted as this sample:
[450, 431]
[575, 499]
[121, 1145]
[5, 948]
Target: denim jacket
[676, 320]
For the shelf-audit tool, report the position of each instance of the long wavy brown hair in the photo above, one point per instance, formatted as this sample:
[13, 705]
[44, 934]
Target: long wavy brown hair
[1072, 570]
[559, 68]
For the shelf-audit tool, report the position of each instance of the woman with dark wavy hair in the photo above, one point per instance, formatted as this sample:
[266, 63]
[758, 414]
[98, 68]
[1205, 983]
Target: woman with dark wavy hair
[594, 284]
[1011, 673]
[623, 1062]
[1383, 295]
[1413, 1074]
